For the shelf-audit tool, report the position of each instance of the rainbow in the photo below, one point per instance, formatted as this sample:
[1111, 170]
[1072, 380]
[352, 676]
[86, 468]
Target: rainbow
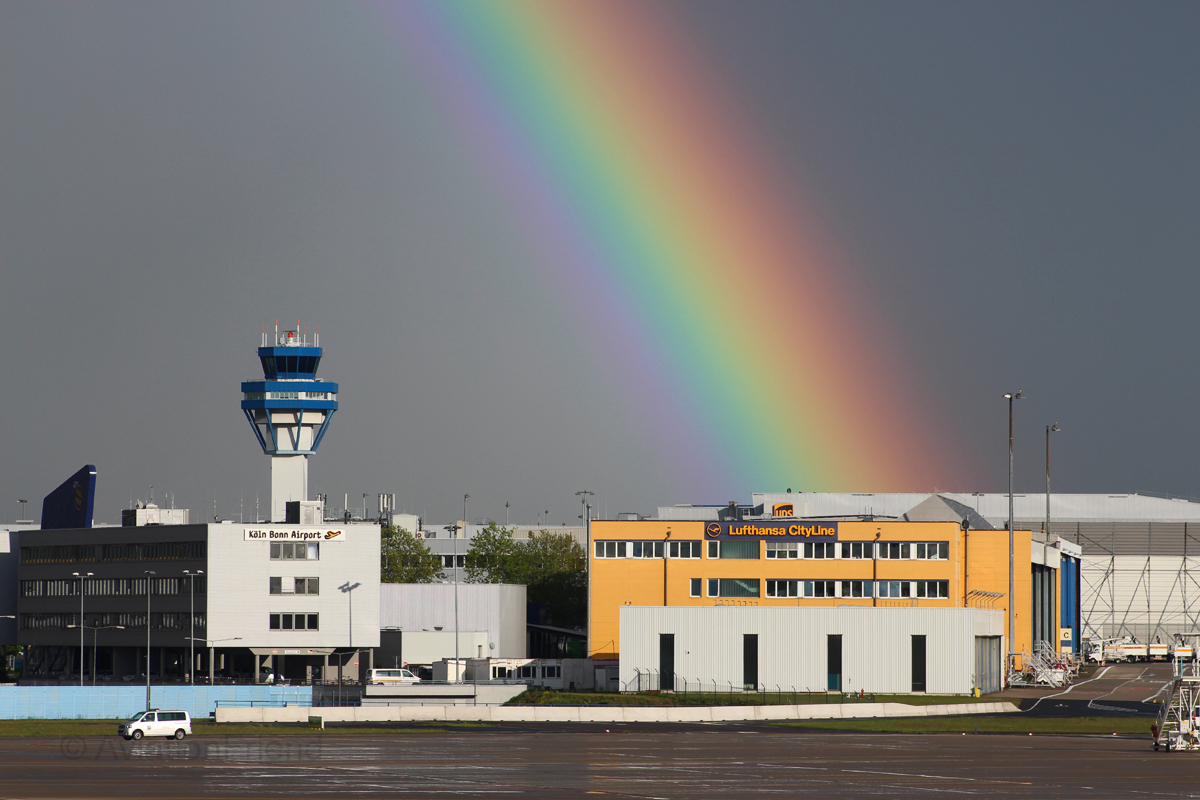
[711, 290]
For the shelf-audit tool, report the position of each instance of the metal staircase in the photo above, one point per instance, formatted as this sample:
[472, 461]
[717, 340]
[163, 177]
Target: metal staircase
[1176, 728]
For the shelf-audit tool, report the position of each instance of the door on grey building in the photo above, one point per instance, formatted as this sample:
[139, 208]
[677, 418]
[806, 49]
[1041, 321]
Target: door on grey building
[666, 662]
[750, 661]
[987, 663]
[834, 661]
[918, 663]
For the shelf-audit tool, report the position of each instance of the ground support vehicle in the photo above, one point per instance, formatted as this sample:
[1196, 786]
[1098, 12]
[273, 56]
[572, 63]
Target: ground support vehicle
[174, 724]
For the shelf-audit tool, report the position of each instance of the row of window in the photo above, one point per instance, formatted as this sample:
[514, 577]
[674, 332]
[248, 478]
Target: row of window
[144, 551]
[653, 549]
[749, 587]
[295, 551]
[295, 585]
[166, 620]
[448, 561]
[110, 587]
[289, 395]
[749, 549]
[295, 622]
[527, 671]
[275, 365]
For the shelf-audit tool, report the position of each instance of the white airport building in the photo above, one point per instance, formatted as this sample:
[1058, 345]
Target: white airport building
[302, 601]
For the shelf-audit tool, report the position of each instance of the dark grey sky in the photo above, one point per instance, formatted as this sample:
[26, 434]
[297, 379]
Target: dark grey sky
[1017, 182]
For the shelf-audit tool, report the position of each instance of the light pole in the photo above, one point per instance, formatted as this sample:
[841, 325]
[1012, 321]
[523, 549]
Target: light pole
[348, 588]
[95, 629]
[454, 532]
[22, 502]
[149, 580]
[82, 576]
[209, 644]
[506, 513]
[666, 552]
[192, 624]
[1049, 430]
[1012, 613]
[875, 569]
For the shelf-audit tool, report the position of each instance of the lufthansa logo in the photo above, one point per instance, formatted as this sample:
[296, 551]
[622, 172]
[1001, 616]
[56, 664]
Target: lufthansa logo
[713, 529]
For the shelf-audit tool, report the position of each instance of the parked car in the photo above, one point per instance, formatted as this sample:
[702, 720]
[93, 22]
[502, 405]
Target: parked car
[175, 724]
[392, 676]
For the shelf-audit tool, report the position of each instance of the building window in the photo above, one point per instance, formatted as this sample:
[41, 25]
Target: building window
[294, 622]
[647, 549]
[295, 585]
[783, 549]
[783, 588]
[295, 551]
[933, 550]
[695, 587]
[857, 588]
[727, 549]
[857, 549]
[733, 587]
[552, 672]
[820, 549]
[820, 588]
[895, 589]
[685, 549]
[933, 589]
[448, 561]
[110, 587]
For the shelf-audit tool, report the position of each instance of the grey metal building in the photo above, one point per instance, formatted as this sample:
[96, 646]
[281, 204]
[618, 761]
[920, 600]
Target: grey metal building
[808, 649]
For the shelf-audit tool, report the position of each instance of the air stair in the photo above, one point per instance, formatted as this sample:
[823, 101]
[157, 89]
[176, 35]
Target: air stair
[1179, 718]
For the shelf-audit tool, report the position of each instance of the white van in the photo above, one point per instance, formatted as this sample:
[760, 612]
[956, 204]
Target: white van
[392, 676]
[156, 723]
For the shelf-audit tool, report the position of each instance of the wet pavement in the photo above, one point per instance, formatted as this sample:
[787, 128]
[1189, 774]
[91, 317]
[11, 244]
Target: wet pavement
[643, 761]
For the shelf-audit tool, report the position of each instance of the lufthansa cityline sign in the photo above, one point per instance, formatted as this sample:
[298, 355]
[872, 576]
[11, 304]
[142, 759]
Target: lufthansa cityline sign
[788, 531]
[295, 534]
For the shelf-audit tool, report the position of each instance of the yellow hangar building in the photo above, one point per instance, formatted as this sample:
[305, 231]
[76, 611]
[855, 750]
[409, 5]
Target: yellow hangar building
[778, 561]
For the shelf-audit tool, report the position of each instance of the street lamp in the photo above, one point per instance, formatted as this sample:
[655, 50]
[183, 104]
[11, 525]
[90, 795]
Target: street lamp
[348, 588]
[1012, 613]
[95, 629]
[192, 623]
[1049, 430]
[453, 529]
[81, 576]
[148, 573]
[209, 644]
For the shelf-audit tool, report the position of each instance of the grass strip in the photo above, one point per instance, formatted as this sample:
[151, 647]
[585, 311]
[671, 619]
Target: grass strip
[1001, 723]
[542, 697]
[55, 728]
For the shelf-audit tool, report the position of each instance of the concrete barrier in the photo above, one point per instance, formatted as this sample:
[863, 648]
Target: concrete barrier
[460, 713]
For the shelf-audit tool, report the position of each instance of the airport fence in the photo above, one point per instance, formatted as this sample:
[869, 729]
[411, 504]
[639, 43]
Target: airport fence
[652, 681]
[119, 702]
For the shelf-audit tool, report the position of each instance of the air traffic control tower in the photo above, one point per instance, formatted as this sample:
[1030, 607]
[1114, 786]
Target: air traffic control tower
[289, 410]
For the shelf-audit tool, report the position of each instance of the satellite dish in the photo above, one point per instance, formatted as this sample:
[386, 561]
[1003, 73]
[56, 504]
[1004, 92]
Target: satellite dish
[491, 645]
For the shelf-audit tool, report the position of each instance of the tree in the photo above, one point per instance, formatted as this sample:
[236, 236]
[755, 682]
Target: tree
[404, 558]
[555, 568]
[552, 567]
[494, 557]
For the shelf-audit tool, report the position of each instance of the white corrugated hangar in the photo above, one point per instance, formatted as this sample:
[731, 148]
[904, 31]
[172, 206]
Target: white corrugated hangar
[807, 649]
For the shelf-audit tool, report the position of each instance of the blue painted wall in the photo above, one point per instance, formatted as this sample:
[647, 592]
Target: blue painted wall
[119, 702]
